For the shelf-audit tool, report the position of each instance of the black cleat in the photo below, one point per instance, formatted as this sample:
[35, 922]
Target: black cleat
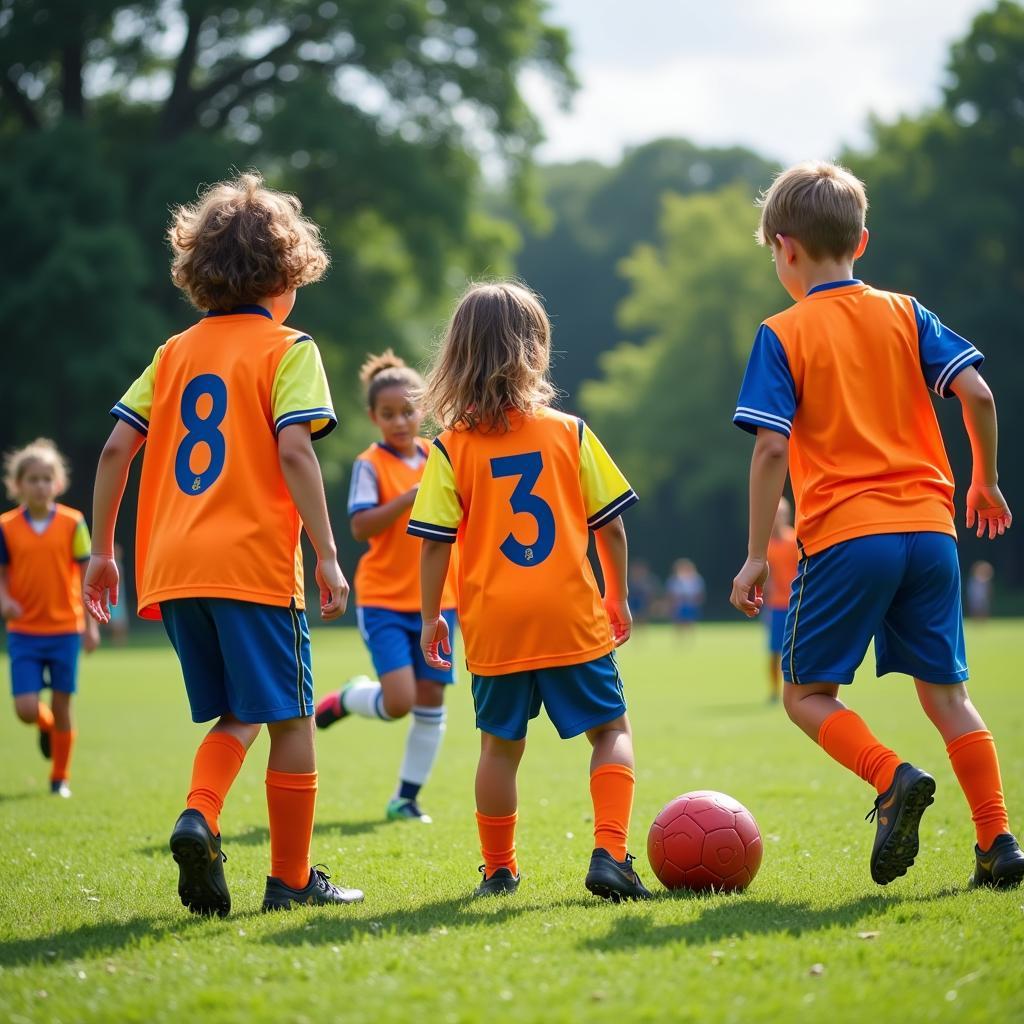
[60, 787]
[318, 892]
[44, 744]
[614, 880]
[201, 882]
[501, 883]
[899, 810]
[1001, 866]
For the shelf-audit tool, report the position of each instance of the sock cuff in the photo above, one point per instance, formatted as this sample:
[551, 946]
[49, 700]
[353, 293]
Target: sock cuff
[225, 739]
[833, 720]
[429, 715]
[508, 819]
[378, 706]
[291, 780]
[978, 736]
[613, 769]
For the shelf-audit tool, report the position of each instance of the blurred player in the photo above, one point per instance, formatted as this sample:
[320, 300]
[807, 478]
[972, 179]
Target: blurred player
[228, 411]
[686, 591]
[520, 486]
[643, 592]
[783, 557]
[837, 390]
[384, 483]
[43, 550]
[979, 590]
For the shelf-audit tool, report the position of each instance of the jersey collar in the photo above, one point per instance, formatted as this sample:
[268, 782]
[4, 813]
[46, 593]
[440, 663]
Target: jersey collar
[420, 447]
[829, 285]
[29, 520]
[251, 310]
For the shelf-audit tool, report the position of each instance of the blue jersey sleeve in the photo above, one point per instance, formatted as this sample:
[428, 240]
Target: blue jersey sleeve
[768, 393]
[944, 353]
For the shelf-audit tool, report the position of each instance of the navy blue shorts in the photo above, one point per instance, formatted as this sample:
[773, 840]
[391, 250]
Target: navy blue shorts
[249, 660]
[40, 661]
[393, 640]
[776, 629]
[576, 698]
[903, 589]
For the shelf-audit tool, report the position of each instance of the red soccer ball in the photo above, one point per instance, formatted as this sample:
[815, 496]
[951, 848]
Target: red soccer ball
[705, 841]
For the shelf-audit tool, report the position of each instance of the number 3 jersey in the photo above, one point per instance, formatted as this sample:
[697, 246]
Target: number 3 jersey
[215, 516]
[521, 504]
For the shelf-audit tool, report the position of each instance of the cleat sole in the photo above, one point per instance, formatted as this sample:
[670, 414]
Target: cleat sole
[896, 855]
[196, 888]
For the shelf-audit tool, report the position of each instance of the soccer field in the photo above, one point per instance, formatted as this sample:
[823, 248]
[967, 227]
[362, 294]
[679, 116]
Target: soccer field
[91, 928]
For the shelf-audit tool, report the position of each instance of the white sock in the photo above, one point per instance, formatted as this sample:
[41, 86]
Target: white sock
[422, 745]
[365, 697]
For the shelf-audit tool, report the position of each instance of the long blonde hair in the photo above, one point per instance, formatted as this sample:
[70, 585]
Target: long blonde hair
[42, 451]
[493, 359]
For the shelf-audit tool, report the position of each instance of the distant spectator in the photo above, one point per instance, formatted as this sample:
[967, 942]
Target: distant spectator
[685, 590]
[979, 590]
[643, 591]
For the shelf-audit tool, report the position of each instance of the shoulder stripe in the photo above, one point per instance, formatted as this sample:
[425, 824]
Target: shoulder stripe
[442, 449]
[304, 416]
[428, 531]
[302, 337]
[781, 420]
[612, 510]
[131, 417]
[954, 366]
[580, 425]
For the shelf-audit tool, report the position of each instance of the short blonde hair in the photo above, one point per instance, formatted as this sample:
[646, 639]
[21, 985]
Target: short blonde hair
[493, 359]
[241, 242]
[41, 452]
[820, 204]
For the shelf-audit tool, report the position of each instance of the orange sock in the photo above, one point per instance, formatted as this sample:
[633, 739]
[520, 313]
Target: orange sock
[45, 717]
[845, 736]
[215, 768]
[976, 765]
[611, 789]
[61, 742]
[291, 803]
[498, 842]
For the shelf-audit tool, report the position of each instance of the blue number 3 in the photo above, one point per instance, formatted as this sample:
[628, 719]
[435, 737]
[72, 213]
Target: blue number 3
[522, 499]
[201, 431]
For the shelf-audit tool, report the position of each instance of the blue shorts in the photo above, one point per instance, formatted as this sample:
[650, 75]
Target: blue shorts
[901, 588]
[393, 640]
[576, 698]
[40, 661]
[251, 660]
[686, 613]
[776, 629]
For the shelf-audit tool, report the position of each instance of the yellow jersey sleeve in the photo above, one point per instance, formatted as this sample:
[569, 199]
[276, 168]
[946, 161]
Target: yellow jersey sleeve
[606, 492]
[137, 402]
[81, 542]
[437, 511]
[301, 393]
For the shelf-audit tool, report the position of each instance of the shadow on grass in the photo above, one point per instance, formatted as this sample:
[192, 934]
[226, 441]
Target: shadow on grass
[260, 835]
[743, 917]
[25, 794]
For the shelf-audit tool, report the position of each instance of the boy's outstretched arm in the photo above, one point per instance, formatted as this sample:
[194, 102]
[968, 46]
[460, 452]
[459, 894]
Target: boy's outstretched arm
[613, 554]
[768, 468]
[99, 585]
[301, 472]
[985, 502]
[435, 556]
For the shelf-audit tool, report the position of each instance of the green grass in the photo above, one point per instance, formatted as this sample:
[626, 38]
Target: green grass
[91, 929]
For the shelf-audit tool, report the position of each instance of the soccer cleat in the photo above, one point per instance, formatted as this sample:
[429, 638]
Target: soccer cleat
[44, 744]
[501, 883]
[331, 708]
[898, 811]
[60, 787]
[1001, 866]
[614, 880]
[201, 882]
[319, 892]
[401, 809]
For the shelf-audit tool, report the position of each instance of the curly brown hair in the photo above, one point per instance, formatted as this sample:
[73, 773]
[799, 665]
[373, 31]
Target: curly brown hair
[40, 452]
[241, 242]
[493, 360]
[387, 371]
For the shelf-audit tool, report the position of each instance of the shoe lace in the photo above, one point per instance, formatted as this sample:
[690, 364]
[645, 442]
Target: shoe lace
[483, 870]
[322, 875]
[870, 816]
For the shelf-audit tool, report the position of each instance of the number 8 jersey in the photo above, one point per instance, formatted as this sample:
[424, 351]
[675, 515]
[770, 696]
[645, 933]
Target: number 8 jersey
[521, 505]
[215, 516]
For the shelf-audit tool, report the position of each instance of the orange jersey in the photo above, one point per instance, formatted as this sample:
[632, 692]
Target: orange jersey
[44, 573]
[783, 558]
[388, 575]
[216, 518]
[520, 505]
[845, 375]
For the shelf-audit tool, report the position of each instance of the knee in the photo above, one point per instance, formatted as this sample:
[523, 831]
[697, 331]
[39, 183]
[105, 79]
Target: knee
[791, 698]
[397, 705]
[29, 714]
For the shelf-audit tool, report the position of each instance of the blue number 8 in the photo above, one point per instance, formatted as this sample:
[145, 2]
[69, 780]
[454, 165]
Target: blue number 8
[201, 431]
[527, 467]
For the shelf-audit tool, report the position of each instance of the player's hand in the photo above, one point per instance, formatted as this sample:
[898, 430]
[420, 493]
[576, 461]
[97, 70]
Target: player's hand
[748, 585]
[91, 640]
[621, 620]
[10, 609]
[333, 589]
[99, 588]
[987, 508]
[435, 642]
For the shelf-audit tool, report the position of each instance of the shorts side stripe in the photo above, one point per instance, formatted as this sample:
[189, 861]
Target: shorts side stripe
[297, 636]
[796, 621]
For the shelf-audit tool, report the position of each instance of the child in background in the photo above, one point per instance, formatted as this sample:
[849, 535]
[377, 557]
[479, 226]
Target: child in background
[228, 411]
[783, 557]
[979, 590]
[685, 589]
[836, 391]
[43, 549]
[643, 592]
[384, 483]
[520, 486]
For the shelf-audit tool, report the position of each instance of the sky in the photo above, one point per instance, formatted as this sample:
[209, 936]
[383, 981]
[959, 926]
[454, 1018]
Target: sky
[791, 79]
